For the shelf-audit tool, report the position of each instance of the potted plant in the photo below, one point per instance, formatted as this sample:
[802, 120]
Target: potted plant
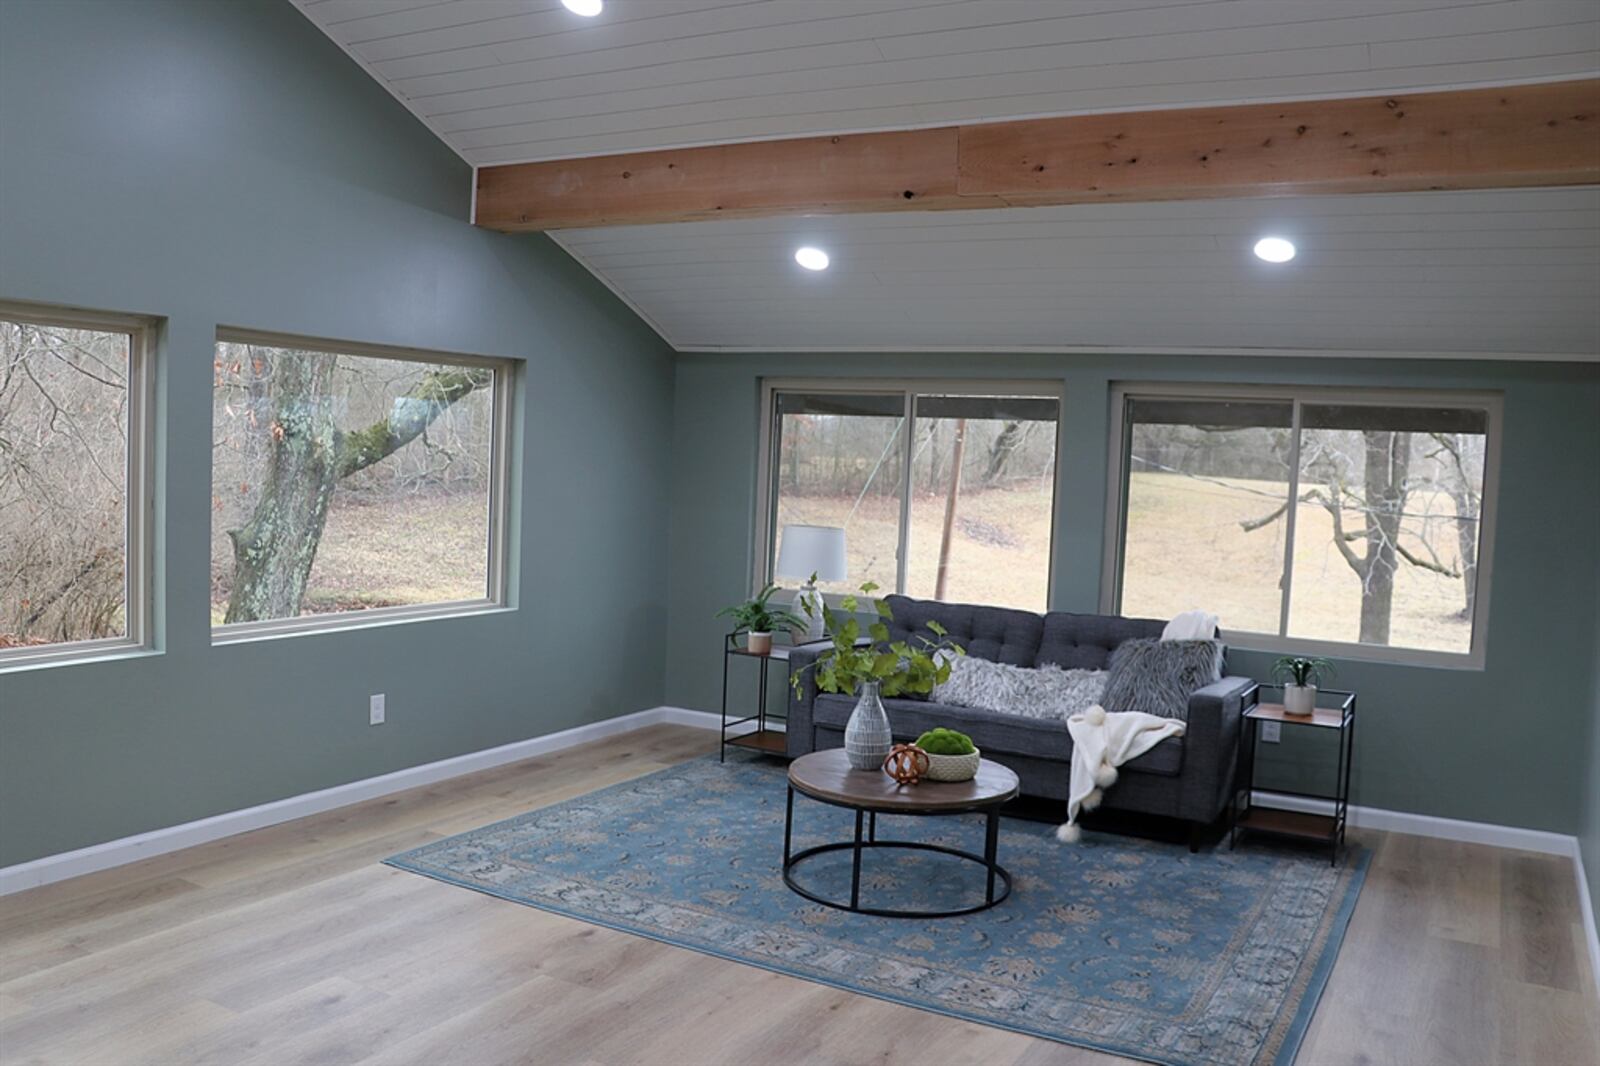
[759, 620]
[951, 755]
[1299, 676]
[876, 669]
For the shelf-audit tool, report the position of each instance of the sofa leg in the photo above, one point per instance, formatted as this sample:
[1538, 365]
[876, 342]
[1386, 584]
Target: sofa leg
[1196, 830]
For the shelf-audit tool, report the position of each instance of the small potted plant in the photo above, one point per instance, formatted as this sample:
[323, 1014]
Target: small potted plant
[758, 621]
[951, 755]
[880, 668]
[1299, 676]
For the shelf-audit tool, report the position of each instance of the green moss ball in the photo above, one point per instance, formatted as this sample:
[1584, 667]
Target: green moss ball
[944, 741]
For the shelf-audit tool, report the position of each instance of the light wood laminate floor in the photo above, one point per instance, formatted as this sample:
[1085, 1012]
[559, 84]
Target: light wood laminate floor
[293, 945]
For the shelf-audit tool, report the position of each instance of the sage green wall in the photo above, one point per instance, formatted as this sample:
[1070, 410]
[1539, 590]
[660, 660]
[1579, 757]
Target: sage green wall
[223, 162]
[1507, 744]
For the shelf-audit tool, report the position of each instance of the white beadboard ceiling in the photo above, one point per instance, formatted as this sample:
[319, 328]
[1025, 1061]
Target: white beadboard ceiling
[1506, 271]
[1511, 272]
[518, 80]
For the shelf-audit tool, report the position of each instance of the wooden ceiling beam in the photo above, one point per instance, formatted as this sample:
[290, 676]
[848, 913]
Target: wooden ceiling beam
[1506, 137]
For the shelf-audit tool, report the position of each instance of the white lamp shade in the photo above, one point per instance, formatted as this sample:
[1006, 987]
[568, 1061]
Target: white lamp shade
[805, 550]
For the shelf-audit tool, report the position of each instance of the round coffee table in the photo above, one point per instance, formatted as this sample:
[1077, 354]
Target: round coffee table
[826, 776]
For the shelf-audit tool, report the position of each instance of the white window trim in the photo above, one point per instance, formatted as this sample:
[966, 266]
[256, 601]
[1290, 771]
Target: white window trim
[909, 389]
[1492, 404]
[139, 494]
[497, 597]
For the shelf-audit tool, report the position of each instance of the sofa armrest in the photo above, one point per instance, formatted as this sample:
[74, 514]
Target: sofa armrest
[1211, 745]
[800, 738]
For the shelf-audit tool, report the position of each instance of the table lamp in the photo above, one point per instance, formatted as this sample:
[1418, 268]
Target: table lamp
[803, 552]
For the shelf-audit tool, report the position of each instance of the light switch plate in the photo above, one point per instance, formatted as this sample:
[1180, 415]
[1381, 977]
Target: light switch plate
[1270, 731]
[375, 710]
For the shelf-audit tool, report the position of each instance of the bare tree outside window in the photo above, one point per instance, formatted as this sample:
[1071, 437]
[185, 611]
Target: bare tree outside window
[345, 482]
[1388, 515]
[64, 479]
[981, 474]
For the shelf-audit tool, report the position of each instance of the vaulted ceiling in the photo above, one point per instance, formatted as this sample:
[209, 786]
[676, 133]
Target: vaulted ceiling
[1512, 271]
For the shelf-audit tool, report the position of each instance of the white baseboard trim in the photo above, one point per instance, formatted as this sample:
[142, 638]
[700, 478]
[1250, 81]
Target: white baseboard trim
[52, 868]
[1499, 836]
[1589, 932]
[1426, 825]
[684, 716]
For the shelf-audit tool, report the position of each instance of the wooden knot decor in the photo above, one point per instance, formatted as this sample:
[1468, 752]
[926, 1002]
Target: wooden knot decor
[906, 764]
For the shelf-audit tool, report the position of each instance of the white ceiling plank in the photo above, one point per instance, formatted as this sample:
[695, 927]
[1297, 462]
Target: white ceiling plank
[523, 80]
[1110, 98]
[1512, 273]
[552, 31]
[1481, 271]
[1223, 15]
[681, 32]
[686, 83]
[711, 73]
[329, 13]
[400, 20]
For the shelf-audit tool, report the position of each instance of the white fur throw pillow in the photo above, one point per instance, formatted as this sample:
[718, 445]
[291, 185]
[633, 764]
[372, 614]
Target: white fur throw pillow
[1046, 692]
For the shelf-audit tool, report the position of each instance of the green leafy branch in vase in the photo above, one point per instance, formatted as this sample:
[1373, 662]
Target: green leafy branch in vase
[899, 666]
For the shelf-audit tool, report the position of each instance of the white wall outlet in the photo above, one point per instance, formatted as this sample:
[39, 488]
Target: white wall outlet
[1270, 731]
[375, 710]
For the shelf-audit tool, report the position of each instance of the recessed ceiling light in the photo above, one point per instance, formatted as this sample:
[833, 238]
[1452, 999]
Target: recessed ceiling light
[811, 258]
[1274, 250]
[587, 8]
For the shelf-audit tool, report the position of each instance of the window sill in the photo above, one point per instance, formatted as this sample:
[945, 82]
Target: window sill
[1270, 644]
[16, 660]
[276, 629]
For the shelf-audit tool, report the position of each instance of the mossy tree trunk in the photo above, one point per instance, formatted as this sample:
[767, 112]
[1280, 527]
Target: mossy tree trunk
[275, 549]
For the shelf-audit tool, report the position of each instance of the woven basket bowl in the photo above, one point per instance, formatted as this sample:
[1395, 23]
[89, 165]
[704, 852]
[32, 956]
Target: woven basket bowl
[953, 767]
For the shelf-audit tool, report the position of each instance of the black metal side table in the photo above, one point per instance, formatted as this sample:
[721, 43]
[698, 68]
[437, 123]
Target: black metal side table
[1249, 817]
[762, 738]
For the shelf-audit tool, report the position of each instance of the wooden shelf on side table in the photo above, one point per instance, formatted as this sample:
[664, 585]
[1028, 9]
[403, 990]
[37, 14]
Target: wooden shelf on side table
[771, 741]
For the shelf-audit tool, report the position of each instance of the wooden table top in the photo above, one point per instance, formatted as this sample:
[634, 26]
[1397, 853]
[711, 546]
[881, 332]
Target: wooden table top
[1326, 717]
[827, 775]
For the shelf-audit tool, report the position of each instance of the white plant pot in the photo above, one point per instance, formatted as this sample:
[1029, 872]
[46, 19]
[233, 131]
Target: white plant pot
[1299, 700]
[759, 643]
[953, 767]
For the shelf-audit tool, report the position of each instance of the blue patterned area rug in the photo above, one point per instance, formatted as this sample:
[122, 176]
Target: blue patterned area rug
[1122, 945]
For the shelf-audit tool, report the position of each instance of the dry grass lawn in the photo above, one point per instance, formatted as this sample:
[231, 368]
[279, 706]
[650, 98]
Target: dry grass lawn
[1000, 554]
[1186, 548]
[412, 550]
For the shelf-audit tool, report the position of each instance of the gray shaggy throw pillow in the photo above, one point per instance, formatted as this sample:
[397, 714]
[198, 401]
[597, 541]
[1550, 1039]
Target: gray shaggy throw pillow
[1157, 676]
[1047, 692]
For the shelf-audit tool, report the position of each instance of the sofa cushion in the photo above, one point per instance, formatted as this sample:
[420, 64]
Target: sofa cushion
[999, 634]
[997, 734]
[1027, 691]
[1086, 641]
[1158, 676]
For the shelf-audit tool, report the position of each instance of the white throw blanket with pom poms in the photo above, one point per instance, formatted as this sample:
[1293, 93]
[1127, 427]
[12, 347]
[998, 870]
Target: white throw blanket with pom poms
[1101, 742]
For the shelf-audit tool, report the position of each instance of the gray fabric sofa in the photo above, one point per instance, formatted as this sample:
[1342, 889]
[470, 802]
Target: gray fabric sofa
[1186, 777]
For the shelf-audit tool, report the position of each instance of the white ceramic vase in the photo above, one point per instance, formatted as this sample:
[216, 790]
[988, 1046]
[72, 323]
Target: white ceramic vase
[1299, 700]
[867, 738]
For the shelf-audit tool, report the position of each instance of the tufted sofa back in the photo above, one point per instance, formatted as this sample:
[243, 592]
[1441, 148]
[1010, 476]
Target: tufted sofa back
[1021, 638]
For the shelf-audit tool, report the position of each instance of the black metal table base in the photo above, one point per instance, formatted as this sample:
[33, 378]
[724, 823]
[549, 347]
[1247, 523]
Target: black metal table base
[997, 874]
